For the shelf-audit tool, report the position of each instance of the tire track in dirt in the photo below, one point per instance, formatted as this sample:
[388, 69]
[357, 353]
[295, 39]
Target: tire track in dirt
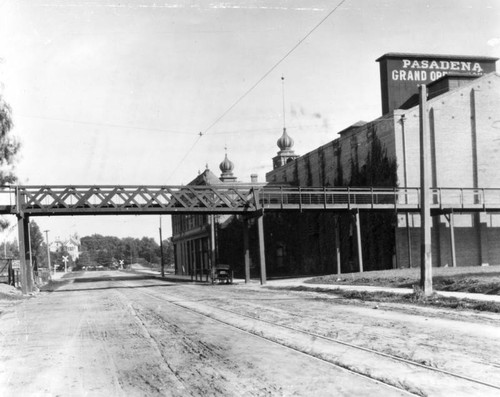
[202, 367]
[403, 375]
[438, 349]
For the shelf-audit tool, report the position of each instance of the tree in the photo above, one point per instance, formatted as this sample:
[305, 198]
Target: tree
[168, 251]
[9, 147]
[38, 247]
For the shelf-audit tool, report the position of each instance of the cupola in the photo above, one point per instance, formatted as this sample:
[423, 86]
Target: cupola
[227, 167]
[285, 142]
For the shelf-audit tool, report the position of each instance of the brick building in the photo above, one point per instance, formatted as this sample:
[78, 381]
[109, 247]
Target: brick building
[464, 117]
[464, 125]
[200, 240]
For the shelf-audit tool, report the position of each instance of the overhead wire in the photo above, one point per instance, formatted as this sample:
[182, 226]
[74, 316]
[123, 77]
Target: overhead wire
[248, 91]
[132, 127]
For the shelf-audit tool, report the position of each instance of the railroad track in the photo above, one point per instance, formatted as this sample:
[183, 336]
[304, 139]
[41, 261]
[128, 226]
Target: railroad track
[394, 372]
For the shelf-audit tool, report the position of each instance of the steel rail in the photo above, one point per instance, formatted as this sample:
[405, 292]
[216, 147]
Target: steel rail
[336, 341]
[344, 368]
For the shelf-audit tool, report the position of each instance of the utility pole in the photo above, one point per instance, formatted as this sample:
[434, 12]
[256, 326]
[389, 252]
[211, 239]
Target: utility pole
[161, 252]
[425, 213]
[48, 250]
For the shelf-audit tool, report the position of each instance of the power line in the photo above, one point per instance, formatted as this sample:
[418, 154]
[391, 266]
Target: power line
[273, 67]
[257, 83]
[106, 125]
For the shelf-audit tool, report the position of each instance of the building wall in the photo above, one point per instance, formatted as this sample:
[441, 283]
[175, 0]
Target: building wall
[464, 127]
[322, 166]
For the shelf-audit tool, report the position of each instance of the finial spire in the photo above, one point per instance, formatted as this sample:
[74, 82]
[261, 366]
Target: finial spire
[283, 98]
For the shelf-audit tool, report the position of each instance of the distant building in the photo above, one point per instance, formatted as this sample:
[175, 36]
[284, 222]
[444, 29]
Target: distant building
[71, 246]
[201, 239]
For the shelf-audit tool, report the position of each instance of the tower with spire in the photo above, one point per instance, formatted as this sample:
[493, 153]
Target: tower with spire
[285, 143]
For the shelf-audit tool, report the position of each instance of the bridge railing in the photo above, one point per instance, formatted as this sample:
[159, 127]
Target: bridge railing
[302, 198]
[379, 198]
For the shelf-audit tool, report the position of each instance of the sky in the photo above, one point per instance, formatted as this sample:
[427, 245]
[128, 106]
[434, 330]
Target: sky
[108, 92]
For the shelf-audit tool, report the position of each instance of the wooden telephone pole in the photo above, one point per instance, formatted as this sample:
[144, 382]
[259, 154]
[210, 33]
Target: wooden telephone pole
[425, 214]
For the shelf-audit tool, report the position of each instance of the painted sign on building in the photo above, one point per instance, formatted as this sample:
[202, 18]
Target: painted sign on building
[400, 74]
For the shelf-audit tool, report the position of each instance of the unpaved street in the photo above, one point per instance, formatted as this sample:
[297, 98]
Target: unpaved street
[119, 334]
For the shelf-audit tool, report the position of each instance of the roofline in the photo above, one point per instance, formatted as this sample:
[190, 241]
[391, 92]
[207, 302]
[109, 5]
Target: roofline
[436, 56]
[468, 84]
[464, 76]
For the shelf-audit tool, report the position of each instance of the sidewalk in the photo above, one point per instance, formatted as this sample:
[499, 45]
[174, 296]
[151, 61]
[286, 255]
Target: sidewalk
[300, 282]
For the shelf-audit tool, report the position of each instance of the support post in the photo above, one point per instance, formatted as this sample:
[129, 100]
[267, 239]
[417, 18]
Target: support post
[212, 242]
[408, 240]
[194, 251]
[452, 240]
[337, 244]
[48, 251]
[246, 249]
[358, 241]
[24, 254]
[190, 256]
[161, 253]
[425, 213]
[262, 249]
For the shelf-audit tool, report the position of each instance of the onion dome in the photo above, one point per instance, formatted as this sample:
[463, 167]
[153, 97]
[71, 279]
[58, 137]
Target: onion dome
[226, 166]
[285, 142]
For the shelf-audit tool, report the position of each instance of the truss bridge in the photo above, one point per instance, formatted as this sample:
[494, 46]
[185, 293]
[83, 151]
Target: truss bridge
[248, 200]
[234, 199]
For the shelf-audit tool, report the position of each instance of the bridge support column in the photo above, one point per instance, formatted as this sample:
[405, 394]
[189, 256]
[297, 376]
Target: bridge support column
[337, 244]
[246, 249]
[26, 272]
[451, 223]
[358, 241]
[212, 242]
[262, 249]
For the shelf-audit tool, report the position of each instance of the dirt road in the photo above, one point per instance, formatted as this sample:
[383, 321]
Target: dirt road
[116, 334]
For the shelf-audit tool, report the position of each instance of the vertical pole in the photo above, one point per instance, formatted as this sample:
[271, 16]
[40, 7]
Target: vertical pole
[405, 176]
[425, 213]
[262, 249]
[452, 241]
[212, 242]
[193, 261]
[176, 260]
[161, 253]
[48, 250]
[358, 241]
[29, 244]
[10, 272]
[246, 249]
[408, 239]
[24, 254]
[337, 244]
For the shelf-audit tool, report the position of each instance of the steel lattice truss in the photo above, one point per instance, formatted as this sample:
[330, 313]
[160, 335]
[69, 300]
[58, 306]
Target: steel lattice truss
[65, 200]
